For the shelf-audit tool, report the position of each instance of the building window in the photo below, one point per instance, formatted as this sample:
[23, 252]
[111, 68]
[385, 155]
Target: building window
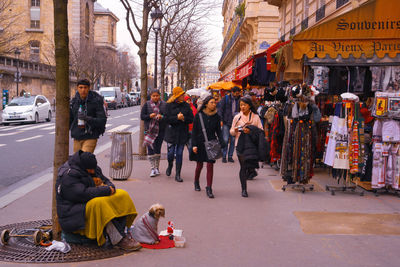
[112, 33]
[87, 20]
[35, 24]
[34, 51]
[340, 3]
[35, 3]
[304, 24]
[320, 13]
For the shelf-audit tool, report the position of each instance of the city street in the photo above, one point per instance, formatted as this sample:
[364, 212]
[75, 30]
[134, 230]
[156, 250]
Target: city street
[28, 149]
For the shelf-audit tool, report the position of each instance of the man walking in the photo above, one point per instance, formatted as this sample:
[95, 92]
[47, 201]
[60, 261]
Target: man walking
[228, 108]
[87, 119]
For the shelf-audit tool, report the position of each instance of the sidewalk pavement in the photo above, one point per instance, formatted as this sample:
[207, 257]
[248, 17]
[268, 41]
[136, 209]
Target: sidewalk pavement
[262, 230]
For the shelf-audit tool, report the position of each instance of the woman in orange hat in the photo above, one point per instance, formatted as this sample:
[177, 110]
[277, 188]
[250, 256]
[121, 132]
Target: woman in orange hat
[179, 116]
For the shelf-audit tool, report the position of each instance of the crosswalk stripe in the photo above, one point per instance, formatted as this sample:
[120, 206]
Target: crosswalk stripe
[52, 132]
[48, 128]
[2, 145]
[134, 119]
[30, 138]
[119, 128]
[7, 134]
[34, 127]
[108, 125]
[117, 117]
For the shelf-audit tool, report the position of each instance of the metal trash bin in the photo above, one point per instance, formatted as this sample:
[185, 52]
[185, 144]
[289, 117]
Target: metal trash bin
[121, 156]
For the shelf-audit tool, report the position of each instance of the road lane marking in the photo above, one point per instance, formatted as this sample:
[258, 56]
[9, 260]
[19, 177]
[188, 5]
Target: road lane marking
[52, 132]
[117, 117]
[34, 127]
[2, 145]
[119, 128]
[48, 128]
[30, 138]
[134, 119]
[7, 134]
[37, 182]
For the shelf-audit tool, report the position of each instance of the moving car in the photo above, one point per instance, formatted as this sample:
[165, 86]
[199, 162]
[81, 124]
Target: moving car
[113, 97]
[27, 109]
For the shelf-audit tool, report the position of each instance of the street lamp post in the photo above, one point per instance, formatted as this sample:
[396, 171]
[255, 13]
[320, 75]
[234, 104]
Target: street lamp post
[156, 17]
[17, 76]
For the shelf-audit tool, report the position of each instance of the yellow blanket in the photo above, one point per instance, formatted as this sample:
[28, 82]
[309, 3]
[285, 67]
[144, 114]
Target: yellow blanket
[101, 210]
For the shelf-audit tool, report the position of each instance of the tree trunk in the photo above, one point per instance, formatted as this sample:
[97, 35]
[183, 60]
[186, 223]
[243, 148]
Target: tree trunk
[61, 145]
[162, 71]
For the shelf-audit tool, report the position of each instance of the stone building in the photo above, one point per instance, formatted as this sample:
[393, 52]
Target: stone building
[298, 15]
[207, 76]
[36, 43]
[250, 26]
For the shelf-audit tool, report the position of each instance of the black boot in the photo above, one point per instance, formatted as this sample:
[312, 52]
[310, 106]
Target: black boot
[244, 193]
[209, 192]
[169, 169]
[178, 168]
[197, 186]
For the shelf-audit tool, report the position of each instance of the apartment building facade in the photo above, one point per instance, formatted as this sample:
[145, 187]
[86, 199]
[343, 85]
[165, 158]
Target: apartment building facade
[250, 27]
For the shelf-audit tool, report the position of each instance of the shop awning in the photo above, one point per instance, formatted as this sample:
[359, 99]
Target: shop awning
[223, 85]
[371, 29]
[272, 50]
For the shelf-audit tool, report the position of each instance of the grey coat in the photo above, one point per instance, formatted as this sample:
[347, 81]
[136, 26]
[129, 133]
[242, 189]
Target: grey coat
[145, 229]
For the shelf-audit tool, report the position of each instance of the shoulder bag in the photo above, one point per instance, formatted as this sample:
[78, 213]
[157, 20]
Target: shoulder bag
[213, 147]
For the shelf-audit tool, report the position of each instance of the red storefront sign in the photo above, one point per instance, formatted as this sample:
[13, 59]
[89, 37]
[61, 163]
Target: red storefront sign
[244, 70]
[229, 77]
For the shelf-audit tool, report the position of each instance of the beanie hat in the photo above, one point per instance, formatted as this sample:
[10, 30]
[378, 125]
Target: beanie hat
[88, 160]
[176, 92]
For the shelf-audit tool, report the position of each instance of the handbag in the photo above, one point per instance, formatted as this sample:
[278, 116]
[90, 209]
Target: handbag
[213, 147]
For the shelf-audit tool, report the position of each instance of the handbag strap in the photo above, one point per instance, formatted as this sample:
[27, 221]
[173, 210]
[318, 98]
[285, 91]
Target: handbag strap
[202, 127]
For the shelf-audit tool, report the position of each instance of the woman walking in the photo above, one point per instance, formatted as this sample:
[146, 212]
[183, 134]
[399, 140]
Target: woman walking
[153, 114]
[248, 146]
[179, 115]
[212, 125]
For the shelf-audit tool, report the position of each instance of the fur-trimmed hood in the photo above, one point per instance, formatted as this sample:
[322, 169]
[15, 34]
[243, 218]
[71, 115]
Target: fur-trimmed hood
[210, 113]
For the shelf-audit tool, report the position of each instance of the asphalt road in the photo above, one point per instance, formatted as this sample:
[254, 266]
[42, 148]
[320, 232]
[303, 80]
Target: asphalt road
[28, 149]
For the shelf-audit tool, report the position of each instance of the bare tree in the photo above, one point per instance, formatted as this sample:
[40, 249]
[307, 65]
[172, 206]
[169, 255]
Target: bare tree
[140, 36]
[61, 145]
[8, 33]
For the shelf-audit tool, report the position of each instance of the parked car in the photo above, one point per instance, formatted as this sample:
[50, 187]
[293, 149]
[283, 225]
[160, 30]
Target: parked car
[27, 109]
[113, 96]
[129, 102]
[135, 97]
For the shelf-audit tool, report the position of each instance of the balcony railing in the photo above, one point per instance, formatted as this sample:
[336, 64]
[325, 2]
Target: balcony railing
[320, 13]
[304, 24]
[231, 41]
[340, 3]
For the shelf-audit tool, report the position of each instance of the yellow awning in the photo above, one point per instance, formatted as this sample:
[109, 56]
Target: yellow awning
[223, 85]
[372, 28]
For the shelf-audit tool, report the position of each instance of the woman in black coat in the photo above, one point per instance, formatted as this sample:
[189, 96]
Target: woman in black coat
[153, 114]
[212, 124]
[179, 116]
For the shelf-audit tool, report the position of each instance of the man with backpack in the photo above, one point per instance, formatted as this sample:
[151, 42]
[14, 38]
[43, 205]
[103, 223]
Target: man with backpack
[87, 119]
[228, 108]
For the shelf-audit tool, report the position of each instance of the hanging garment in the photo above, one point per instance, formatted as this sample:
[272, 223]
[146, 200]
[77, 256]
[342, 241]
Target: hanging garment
[396, 166]
[321, 78]
[357, 77]
[331, 147]
[378, 168]
[377, 77]
[302, 152]
[341, 160]
[390, 131]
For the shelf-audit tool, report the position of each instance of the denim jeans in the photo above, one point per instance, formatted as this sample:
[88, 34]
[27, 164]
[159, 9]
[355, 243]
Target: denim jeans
[175, 150]
[230, 146]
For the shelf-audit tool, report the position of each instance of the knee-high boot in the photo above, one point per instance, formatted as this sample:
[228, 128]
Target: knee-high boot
[157, 164]
[178, 168]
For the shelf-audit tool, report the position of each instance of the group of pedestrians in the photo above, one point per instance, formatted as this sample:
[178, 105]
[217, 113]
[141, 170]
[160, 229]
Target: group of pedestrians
[89, 205]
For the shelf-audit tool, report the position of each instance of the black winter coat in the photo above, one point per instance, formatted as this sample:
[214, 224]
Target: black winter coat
[93, 105]
[74, 188]
[212, 124]
[145, 116]
[252, 146]
[177, 131]
[225, 109]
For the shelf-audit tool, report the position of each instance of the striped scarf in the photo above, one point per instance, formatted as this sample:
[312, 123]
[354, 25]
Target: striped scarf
[152, 133]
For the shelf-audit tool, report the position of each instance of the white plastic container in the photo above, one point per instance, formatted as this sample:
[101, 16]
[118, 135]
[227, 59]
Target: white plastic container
[179, 241]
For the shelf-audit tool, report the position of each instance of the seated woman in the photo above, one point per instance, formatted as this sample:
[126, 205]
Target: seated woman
[88, 203]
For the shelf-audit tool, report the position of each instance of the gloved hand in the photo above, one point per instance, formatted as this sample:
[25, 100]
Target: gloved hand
[84, 117]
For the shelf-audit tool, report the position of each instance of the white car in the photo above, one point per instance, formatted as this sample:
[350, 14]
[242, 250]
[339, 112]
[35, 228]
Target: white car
[27, 109]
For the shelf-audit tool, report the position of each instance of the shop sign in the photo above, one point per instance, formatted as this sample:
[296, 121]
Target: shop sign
[244, 71]
[264, 45]
[229, 77]
[345, 48]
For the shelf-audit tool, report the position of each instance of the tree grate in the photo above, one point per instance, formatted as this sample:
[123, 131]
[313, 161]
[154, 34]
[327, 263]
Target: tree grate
[23, 249]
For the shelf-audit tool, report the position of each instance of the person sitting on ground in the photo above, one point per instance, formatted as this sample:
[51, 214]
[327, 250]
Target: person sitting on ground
[88, 203]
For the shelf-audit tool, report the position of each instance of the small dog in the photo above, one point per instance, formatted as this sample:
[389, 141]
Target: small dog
[145, 230]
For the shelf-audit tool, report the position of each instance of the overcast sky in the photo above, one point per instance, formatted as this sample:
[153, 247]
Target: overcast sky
[213, 25]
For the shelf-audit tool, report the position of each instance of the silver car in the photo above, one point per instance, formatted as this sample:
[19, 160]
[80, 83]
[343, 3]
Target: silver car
[27, 109]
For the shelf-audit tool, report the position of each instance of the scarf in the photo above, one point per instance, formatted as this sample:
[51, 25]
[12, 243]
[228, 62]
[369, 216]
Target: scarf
[152, 133]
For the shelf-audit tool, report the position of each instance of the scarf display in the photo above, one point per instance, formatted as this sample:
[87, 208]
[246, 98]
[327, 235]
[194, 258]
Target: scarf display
[154, 127]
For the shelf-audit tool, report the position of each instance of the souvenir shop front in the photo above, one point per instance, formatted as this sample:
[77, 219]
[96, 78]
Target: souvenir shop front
[353, 61]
